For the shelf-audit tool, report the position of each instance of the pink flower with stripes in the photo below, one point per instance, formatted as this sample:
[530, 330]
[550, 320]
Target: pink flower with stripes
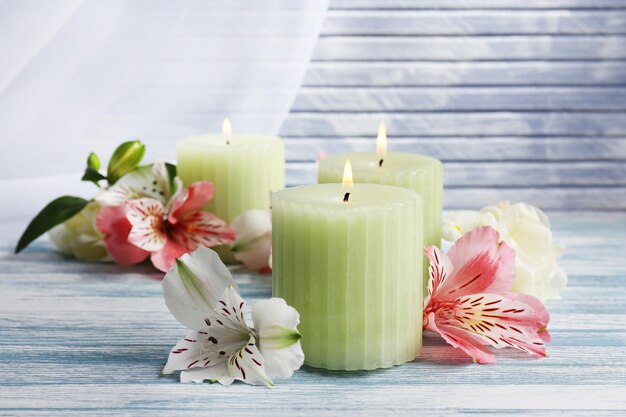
[147, 227]
[469, 303]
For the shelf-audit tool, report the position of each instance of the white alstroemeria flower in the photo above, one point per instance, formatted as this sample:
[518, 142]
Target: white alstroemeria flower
[200, 292]
[253, 246]
[150, 181]
[526, 229]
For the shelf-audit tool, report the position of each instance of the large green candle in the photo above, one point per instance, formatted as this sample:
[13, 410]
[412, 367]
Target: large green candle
[245, 169]
[419, 173]
[350, 269]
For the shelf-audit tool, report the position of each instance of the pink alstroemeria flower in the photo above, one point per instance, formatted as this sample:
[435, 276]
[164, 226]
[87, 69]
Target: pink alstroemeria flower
[468, 302]
[145, 227]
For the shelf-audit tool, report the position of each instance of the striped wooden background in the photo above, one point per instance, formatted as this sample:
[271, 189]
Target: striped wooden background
[522, 99]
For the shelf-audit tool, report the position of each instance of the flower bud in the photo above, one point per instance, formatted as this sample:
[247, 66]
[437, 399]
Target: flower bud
[125, 158]
[93, 161]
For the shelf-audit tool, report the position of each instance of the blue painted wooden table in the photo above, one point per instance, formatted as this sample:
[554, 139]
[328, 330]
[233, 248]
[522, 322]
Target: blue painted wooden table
[90, 339]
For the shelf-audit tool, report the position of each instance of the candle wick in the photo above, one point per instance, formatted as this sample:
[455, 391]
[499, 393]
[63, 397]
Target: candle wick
[227, 142]
[346, 197]
[380, 163]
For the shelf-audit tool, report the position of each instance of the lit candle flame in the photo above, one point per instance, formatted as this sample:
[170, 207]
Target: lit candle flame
[227, 130]
[347, 175]
[347, 181]
[381, 141]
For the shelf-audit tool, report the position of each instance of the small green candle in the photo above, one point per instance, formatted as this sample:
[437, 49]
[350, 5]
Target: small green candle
[419, 173]
[345, 258]
[245, 169]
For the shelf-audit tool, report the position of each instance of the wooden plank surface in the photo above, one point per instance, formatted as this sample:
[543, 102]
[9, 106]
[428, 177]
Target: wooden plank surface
[476, 4]
[502, 174]
[470, 48]
[90, 339]
[493, 73]
[469, 99]
[474, 22]
[468, 148]
[456, 123]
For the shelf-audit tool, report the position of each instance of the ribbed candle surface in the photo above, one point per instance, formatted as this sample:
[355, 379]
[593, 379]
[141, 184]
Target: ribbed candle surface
[244, 171]
[419, 173]
[352, 270]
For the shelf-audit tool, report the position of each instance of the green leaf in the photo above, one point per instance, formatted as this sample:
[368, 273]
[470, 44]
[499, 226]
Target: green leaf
[171, 174]
[56, 212]
[93, 176]
[93, 161]
[126, 157]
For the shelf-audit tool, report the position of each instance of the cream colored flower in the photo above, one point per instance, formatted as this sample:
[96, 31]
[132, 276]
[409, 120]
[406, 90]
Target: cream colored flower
[253, 245]
[78, 236]
[527, 230]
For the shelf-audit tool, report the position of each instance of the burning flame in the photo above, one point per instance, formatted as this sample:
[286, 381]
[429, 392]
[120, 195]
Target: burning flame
[227, 129]
[381, 141]
[347, 175]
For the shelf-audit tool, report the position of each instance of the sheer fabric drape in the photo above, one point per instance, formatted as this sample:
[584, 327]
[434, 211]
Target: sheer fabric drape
[77, 76]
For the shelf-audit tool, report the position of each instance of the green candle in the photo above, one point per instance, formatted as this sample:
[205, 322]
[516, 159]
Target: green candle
[245, 169]
[348, 264]
[419, 173]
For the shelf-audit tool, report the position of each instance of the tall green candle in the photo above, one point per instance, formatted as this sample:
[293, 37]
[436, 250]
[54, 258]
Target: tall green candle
[419, 173]
[245, 169]
[348, 264]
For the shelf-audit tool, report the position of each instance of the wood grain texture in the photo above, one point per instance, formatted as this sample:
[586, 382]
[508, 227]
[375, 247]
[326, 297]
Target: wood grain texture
[470, 48]
[457, 123]
[493, 73]
[468, 99]
[479, 83]
[513, 174]
[476, 4]
[470, 148]
[90, 339]
[474, 22]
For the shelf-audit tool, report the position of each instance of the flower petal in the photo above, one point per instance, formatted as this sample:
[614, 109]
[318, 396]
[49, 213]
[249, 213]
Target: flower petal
[201, 229]
[279, 341]
[209, 348]
[457, 223]
[192, 288]
[527, 230]
[191, 199]
[439, 271]
[253, 229]
[481, 264]
[165, 259]
[139, 183]
[162, 177]
[90, 248]
[555, 283]
[254, 254]
[247, 365]
[195, 350]
[464, 341]
[146, 217]
[113, 223]
[497, 320]
[252, 224]
[219, 373]
[543, 317]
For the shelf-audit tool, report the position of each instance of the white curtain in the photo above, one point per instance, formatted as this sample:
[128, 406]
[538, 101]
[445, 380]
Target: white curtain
[79, 76]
